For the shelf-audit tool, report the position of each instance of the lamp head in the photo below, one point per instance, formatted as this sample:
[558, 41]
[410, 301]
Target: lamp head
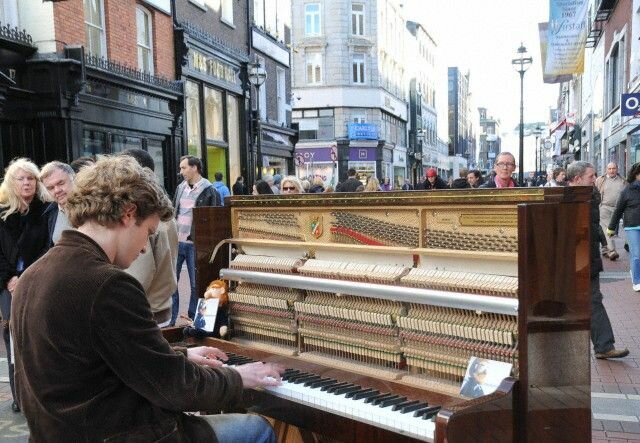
[257, 74]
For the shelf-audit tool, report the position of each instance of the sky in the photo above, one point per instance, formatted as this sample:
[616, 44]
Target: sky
[483, 37]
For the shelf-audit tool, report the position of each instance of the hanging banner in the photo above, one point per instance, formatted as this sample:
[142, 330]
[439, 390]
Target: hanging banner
[566, 37]
[546, 78]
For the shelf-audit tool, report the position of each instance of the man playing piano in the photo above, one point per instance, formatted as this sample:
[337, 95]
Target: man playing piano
[91, 363]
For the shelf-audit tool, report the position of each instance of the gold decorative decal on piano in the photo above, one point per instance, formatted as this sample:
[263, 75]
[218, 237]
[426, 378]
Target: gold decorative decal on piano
[466, 229]
[316, 226]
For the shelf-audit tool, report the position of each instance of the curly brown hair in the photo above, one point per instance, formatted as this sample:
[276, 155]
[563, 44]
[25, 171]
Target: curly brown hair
[103, 193]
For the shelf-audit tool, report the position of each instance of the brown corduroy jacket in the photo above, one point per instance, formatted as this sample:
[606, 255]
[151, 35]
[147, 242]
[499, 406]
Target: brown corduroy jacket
[91, 364]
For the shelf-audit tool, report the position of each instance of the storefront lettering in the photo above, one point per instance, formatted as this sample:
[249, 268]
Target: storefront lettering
[213, 67]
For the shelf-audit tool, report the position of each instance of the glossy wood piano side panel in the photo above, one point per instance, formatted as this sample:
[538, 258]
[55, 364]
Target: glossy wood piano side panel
[212, 225]
[487, 418]
[554, 321]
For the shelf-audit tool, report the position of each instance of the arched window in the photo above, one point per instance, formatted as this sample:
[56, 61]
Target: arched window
[144, 39]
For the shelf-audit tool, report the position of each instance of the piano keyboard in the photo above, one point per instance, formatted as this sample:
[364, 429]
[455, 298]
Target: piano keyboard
[413, 418]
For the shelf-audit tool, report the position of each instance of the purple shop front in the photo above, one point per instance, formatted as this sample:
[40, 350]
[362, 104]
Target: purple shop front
[362, 154]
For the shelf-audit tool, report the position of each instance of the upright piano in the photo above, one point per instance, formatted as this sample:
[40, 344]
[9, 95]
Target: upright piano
[375, 302]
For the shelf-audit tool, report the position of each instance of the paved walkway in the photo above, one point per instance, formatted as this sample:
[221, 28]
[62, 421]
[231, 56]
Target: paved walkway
[615, 385]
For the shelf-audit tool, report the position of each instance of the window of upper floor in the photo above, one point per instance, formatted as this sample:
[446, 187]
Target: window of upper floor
[144, 39]
[314, 68]
[95, 27]
[9, 13]
[312, 20]
[358, 69]
[315, 124]
[614, 76]
[357, 19]
[281, 91]
[226, 11]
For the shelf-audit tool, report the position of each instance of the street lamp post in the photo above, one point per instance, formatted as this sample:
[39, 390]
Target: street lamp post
[257, 77]
[521, 64]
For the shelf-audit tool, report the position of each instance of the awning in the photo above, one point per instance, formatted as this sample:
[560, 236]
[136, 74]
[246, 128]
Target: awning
[563, 124]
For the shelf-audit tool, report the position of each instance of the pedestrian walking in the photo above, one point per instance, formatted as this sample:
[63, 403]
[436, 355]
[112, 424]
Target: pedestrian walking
[24, 238]
[628, 208]
[222, 189]
[610, 186]
[582, 173]
[238, 187]
[194, 192]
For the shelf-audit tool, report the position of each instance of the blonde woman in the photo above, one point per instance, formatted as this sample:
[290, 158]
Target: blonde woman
[291, 185]
[373, 184]
[24, 236]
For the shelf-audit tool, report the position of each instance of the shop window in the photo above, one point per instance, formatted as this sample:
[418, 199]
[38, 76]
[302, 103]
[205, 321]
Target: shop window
[145, 40]
[274, 165]
[121, 142]
[154, 148]
[216, 161]
[233, 125]
[312, 21]
[357, 19]
[193, 119]
[95, 28]
[213, 114]
[9, 12]
[94, 142]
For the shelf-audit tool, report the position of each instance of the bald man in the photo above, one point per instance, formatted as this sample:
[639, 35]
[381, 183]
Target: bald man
[610, 186]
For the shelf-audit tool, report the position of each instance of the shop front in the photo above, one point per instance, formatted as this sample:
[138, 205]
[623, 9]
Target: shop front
[399, 167]
[215, 105]
[317, 162]
[277, 149]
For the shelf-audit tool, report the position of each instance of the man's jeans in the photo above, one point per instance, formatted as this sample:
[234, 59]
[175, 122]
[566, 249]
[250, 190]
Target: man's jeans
[186, 252]
[241, 428]
[633, 238]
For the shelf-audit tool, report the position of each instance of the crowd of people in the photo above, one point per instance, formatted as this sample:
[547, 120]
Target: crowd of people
[111, 219]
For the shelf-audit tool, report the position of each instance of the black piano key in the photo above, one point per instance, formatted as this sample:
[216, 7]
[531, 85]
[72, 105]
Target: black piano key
[307, 378]
[289, 374]
[321, 383]
[310, 383]
[366, 394]
[378, 400]
[332, 388]
[411, 407]
[392, 401]
[419, 412]
[346, 389]
[431, 412]
[293, 378]
[359, 391]
[375, 397]
[328, 385]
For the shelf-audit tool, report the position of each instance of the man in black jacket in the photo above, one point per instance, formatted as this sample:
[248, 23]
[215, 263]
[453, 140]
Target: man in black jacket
[194, 192]
[351, 184]
[583, 174]
[433, 181]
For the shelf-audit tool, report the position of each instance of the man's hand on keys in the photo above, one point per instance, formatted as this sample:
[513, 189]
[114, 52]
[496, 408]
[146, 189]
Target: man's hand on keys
[256, 375]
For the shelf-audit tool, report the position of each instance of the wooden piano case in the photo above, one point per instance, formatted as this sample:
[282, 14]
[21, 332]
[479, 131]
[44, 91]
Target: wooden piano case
[548, 397]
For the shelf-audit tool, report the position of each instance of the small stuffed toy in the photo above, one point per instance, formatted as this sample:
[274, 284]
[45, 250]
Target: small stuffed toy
[218, 289]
